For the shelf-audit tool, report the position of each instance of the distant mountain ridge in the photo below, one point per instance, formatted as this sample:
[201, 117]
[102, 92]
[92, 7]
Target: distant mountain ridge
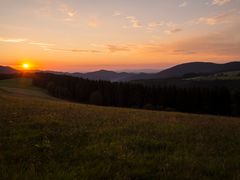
[7, 70]
[197, 68]
[105, 75]
[173, 72]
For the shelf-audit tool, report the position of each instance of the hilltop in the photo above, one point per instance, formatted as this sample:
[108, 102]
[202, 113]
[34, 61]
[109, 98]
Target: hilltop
[7, 70]
[178, 71]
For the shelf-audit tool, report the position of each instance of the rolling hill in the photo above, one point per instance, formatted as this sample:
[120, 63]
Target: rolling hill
[44, 138]
[197, 68]
[177, 71]
[173, 72]
[105, 75]
[7, 70]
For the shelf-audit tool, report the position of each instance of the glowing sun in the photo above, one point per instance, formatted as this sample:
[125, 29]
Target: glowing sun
[25, 66]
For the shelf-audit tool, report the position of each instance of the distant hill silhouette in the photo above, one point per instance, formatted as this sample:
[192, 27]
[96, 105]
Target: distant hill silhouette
[173, 72]
[105, 75]
[197, 68]
[7, 70]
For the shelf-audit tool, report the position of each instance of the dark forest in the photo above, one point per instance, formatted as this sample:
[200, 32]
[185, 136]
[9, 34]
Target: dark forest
[201, 100]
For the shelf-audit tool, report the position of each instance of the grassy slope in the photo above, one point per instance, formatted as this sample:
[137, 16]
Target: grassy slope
[232, 75]
[41, 138]
[23, 86]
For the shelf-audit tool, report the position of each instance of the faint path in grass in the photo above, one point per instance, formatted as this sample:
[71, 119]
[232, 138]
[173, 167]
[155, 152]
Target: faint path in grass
[23, 87]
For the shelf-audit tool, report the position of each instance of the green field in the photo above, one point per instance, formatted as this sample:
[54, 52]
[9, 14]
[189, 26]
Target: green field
[23, 87]
[45, 138]
[232, 75]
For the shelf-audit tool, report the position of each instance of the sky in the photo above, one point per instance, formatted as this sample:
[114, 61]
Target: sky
[87, 35]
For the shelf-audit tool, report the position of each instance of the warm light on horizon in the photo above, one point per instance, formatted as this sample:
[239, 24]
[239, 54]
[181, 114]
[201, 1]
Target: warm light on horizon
[25, 66]
[92, 35]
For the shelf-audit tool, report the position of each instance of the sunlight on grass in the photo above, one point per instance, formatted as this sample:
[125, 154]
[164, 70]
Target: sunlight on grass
[23, 86]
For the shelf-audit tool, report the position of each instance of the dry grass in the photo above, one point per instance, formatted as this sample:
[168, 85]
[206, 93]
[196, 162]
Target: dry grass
[41, 138]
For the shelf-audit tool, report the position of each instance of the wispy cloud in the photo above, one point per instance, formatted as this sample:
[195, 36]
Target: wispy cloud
[17, 40]
[183, 4]
[220, 44]
[153, 25]
[150, 26]
[41, 44]
[56, 10]
[216, 43]
[183, 52]
[217, 19]
[73, 50]
[94, 22]
[220, 2]
[67, 11]
[170, 27]
[52, 47]
[117, 13]
[173, 30]
[134, 21]
[117, 48]
[44, 46]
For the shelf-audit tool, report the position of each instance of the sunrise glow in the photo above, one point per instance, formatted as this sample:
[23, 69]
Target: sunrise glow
[25, 66]
[119, 89]
[118, 35]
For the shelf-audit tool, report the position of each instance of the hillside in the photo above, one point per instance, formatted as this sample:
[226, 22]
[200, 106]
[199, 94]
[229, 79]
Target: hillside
[173, 72]
[7, 70]
[44, 138]
[105, 75]
[197, 68]
[224, 76]
[23, 87]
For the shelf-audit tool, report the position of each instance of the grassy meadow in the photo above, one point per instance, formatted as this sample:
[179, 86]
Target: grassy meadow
[45, 138]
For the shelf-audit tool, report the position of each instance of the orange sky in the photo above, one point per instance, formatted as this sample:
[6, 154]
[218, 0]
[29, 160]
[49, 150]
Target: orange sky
[85, 35]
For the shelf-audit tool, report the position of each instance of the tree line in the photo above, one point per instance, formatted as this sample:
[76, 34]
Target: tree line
[215, 100]
[9, 76]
